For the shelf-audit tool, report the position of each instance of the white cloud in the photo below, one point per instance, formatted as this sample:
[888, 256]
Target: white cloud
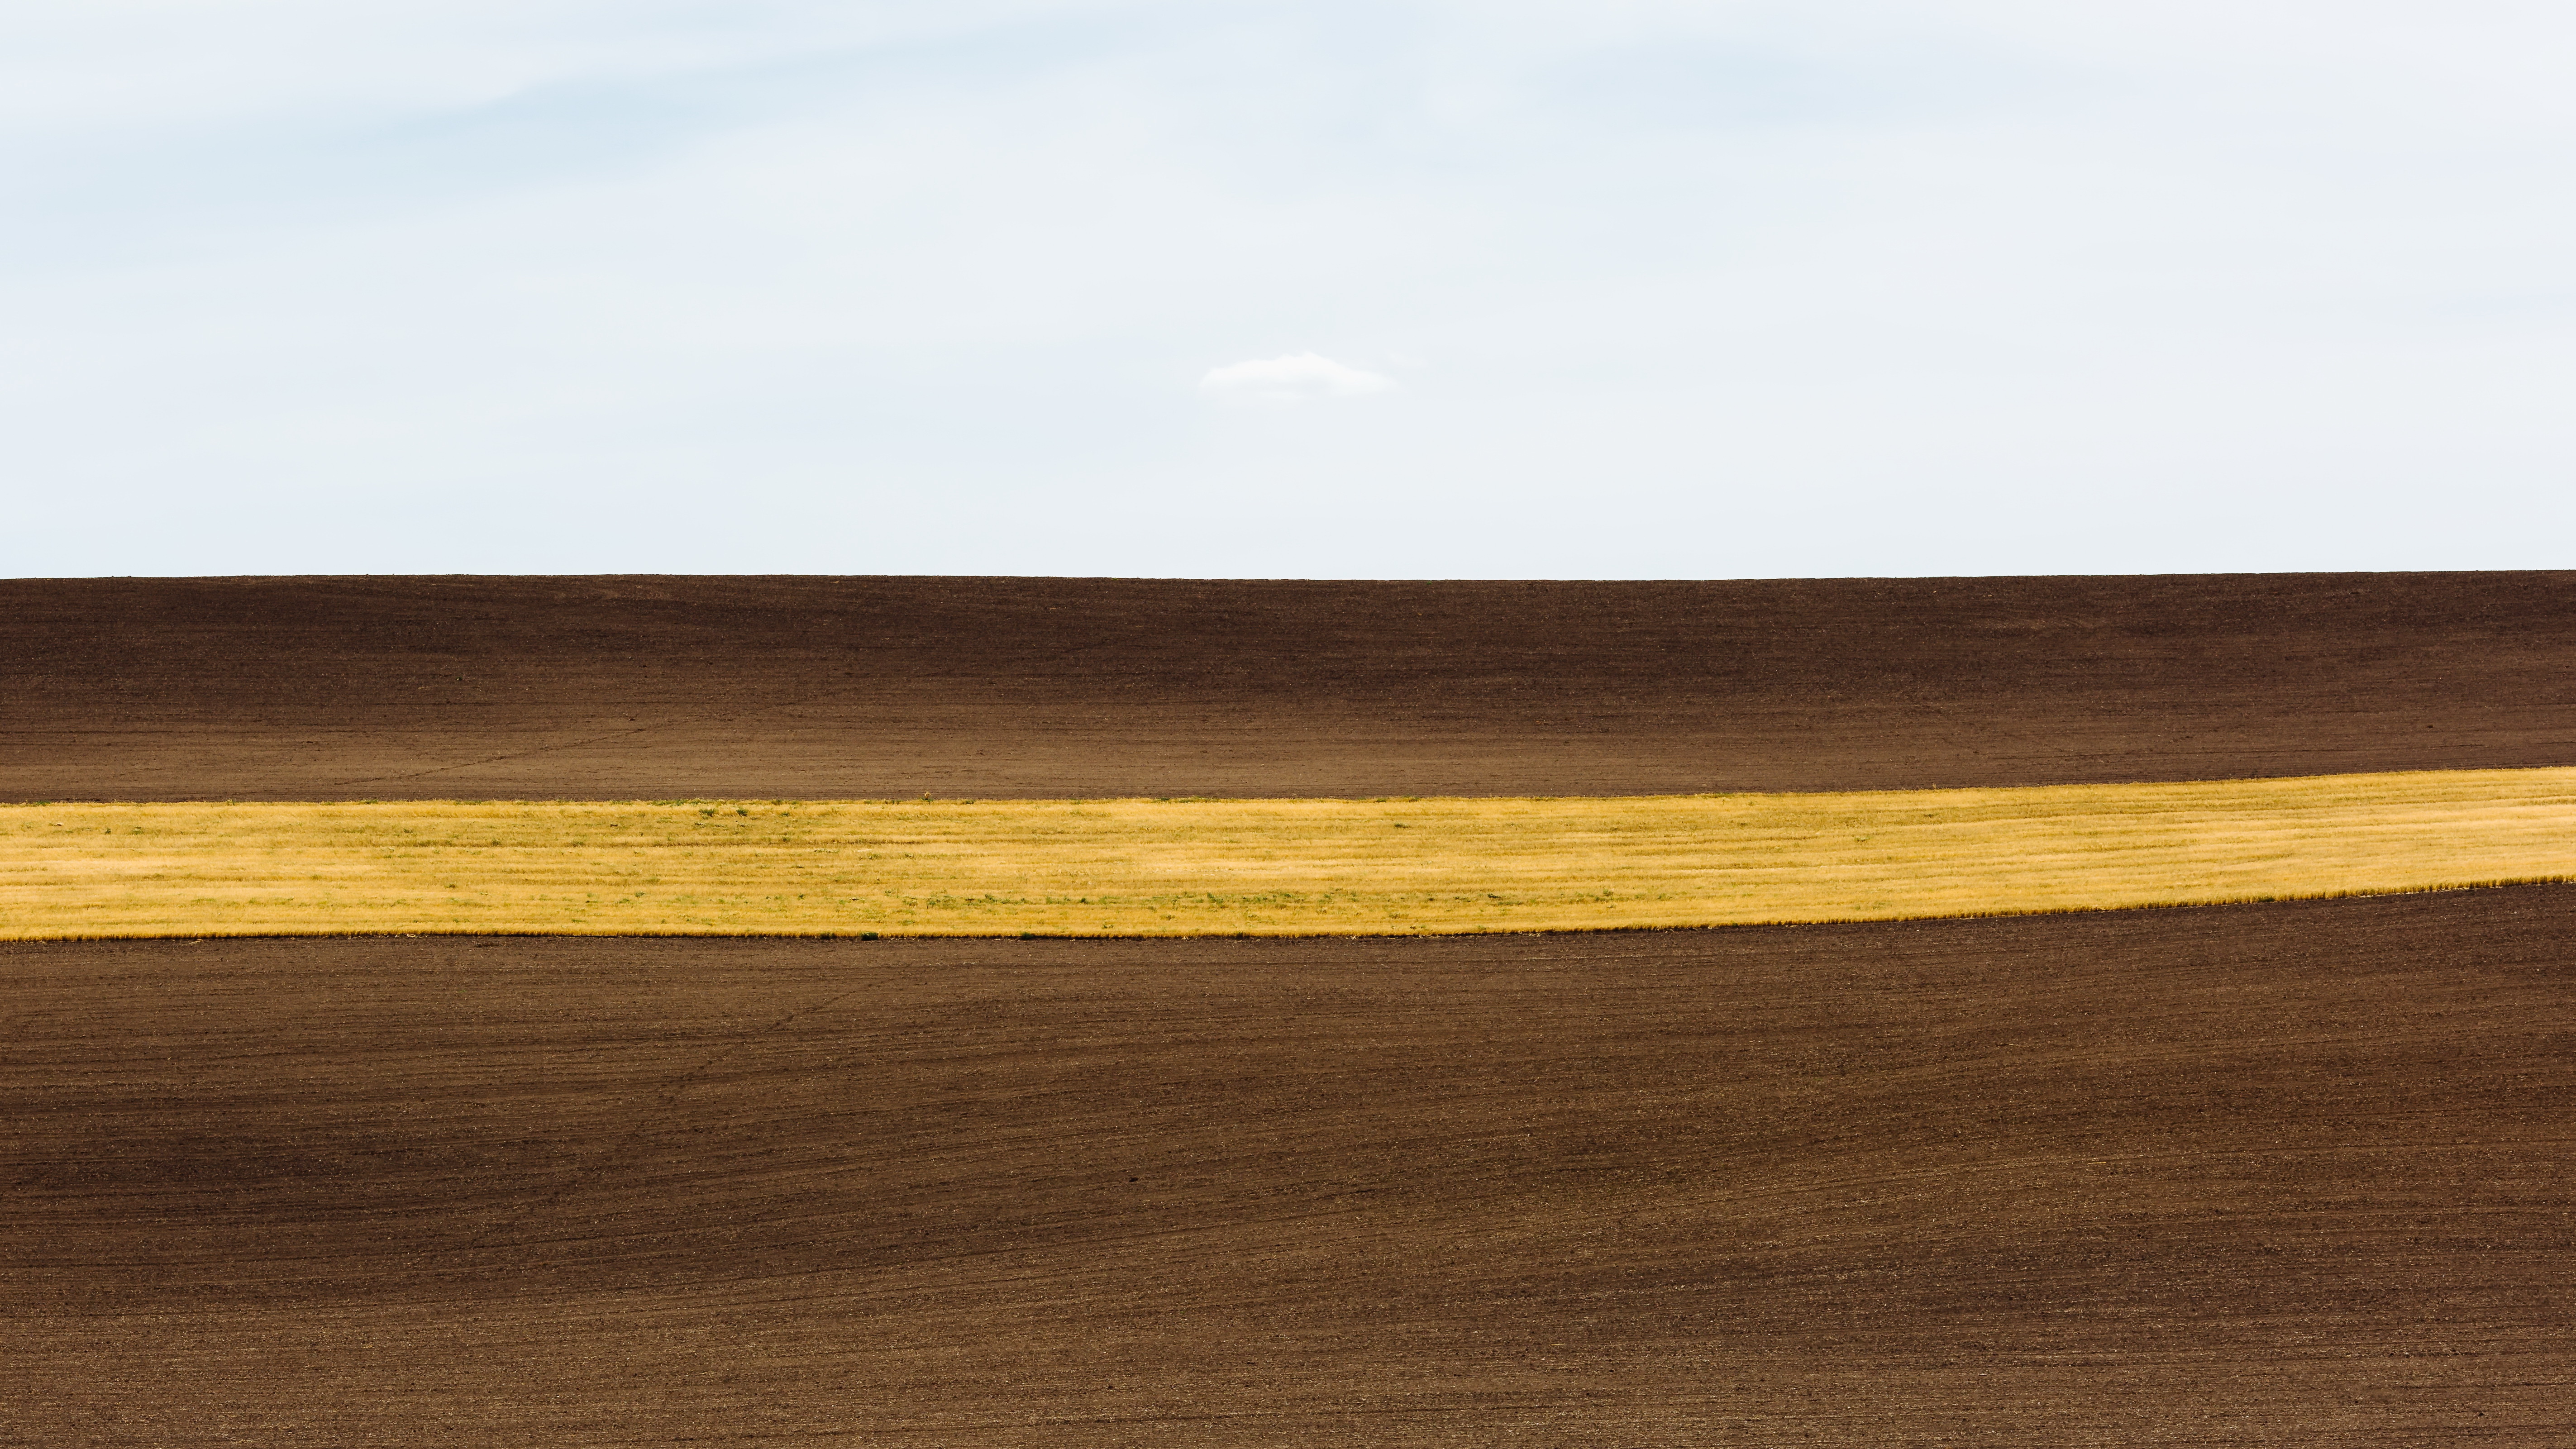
[1293, 378]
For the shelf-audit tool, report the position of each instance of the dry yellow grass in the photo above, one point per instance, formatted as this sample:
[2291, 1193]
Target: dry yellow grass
[1265, 867]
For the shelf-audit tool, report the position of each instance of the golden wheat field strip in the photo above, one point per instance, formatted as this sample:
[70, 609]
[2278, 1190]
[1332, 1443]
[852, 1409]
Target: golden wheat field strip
[1263, 867]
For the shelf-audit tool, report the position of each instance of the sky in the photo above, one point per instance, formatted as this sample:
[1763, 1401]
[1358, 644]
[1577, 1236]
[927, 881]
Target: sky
[1410, 288]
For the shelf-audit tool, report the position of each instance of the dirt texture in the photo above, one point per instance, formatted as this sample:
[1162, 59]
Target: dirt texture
[2295, 1174]
[658, 687]
[2288, 1174]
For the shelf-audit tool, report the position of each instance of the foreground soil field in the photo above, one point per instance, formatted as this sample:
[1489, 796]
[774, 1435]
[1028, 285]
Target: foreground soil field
[2293, 1174]
[655, 687]
[1262, 867]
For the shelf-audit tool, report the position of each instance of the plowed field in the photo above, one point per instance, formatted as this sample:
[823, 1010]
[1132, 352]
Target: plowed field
[647, 688]
[2299, 1173]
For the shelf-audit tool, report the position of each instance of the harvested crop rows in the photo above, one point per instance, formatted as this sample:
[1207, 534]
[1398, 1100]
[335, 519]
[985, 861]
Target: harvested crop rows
[2288, 1173]
[1263, 867]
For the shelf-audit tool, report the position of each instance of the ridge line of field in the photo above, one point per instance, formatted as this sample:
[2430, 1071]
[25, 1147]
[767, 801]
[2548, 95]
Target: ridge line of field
[405, 802]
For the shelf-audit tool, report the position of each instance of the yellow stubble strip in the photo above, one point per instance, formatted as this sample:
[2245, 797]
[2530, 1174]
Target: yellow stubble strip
[1262, 867]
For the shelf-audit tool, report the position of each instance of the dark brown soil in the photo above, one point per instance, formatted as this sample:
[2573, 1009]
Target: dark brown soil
[874, 688]
[2296, 1174]
[2293, 1175]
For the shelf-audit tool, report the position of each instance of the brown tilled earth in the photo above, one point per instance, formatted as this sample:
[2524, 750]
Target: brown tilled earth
[2298, 1174]
[2293, 1174]
[627, 688]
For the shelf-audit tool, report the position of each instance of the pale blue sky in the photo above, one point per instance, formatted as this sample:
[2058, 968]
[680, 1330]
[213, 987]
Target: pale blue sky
[1235, 289]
